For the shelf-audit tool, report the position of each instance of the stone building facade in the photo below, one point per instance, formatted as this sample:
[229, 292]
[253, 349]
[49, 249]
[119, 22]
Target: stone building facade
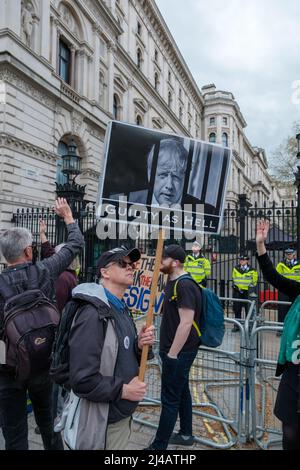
[67, 67]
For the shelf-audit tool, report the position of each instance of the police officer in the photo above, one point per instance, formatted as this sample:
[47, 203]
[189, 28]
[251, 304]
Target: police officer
[197, 265]
[289, 267]
[244, 279]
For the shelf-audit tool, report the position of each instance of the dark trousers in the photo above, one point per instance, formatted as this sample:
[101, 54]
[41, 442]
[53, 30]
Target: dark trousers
[282, 309]
[175, 398]
[238, 306]
[13, 409]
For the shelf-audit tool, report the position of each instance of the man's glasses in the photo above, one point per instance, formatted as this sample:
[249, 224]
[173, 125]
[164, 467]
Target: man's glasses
[123, 264]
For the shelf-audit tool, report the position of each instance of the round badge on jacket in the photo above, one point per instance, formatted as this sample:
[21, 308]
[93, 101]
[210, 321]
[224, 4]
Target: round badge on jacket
[126, 342]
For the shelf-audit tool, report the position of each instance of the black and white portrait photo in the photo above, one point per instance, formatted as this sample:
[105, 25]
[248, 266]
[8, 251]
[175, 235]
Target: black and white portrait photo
[157, 170]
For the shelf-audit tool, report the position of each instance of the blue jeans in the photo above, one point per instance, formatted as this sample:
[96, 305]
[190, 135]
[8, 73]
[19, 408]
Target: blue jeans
[175, 398]
[13, 409]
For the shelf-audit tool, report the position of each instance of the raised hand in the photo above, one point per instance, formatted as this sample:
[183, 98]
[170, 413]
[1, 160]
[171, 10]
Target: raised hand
[63, 210]
[43, 228]
[262, 230]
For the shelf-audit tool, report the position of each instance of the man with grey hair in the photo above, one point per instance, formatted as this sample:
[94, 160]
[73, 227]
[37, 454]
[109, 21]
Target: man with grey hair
[16, 247]
[170, 175]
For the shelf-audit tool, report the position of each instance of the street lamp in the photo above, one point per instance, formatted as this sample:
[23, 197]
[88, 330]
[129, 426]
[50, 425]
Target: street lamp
[71, 168]
[297, 183]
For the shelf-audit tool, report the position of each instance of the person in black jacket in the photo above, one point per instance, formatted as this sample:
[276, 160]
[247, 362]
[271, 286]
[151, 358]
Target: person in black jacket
[287, 408]
[122, 389]
[16, 247]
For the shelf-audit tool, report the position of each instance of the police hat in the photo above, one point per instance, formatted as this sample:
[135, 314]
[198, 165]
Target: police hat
[244, 257]
[289, 251]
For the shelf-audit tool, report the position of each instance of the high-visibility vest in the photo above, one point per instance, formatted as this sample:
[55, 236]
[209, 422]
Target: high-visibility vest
[292, 272]
[244, 279]
[199, 268]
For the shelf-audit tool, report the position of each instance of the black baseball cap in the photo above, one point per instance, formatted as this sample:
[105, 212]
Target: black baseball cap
[116, 254]
[289, 251]
[175, 252]
[244, 257]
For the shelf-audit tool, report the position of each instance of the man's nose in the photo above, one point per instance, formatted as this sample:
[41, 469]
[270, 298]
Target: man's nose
[169, 183]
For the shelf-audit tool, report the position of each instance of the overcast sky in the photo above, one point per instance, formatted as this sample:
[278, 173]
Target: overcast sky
[251, 48]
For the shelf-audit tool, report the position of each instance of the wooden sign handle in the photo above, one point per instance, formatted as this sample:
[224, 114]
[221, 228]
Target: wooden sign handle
[149, 319]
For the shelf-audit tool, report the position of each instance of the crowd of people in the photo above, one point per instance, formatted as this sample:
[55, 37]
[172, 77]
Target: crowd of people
[105, 347]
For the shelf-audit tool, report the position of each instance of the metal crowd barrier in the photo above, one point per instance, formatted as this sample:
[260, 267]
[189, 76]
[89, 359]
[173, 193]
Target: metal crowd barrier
[264, 346]
[219, 385]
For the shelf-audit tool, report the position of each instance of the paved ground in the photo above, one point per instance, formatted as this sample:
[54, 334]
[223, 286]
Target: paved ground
[141, 437]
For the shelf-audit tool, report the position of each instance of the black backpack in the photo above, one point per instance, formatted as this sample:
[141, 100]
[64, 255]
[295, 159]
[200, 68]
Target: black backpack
[29, 324]
[59, 370]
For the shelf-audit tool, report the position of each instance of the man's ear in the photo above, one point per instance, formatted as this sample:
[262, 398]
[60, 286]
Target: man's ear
[28, 253]
[104, 273]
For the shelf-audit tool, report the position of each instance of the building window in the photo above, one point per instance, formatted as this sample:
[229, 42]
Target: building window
[225, 121]
[62, 150]
[116, 107]
[169, 76]
[180, 113]
[156, 55]
[189, 125]
[169, 99]
[139, 59]
[212, 121]
[156, 81]
[180, 93]
[224, 139]
[64, 61]
[139, 28]
[212, 138]
[139, 121]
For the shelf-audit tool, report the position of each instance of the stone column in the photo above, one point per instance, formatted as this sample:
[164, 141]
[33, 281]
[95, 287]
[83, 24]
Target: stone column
[111, 71]
[35, 35]
[95, 78]
[129, 110]
[45, 34]
[72, 68]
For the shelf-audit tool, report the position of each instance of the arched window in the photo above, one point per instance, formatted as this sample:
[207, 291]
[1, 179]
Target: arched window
[139, 59]
[212, 138]
[156, 81]
[61, 150]
[169, 99]
[155, 55]
[116, 105]
[224, 139]
[180, 113]
[139, 121]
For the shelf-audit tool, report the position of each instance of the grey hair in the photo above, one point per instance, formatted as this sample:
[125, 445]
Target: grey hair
[13, 243]
[75, 263]
[173, 145]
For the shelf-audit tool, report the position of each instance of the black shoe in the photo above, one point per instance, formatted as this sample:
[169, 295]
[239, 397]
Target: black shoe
[178, 440]
[37, 430]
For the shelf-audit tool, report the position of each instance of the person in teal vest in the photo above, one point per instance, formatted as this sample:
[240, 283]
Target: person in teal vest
[289, 267]
[197, 265]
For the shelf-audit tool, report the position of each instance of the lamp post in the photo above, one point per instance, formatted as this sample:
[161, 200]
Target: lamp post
[297, 183]
[71, 168]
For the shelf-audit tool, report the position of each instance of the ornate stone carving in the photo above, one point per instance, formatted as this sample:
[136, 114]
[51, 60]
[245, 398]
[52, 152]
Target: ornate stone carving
[16, 144]
[22, 84]
[27, 21]
[68, 18]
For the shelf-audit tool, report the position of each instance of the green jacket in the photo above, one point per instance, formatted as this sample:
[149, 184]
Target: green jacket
[199, 268]
[290, 340]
